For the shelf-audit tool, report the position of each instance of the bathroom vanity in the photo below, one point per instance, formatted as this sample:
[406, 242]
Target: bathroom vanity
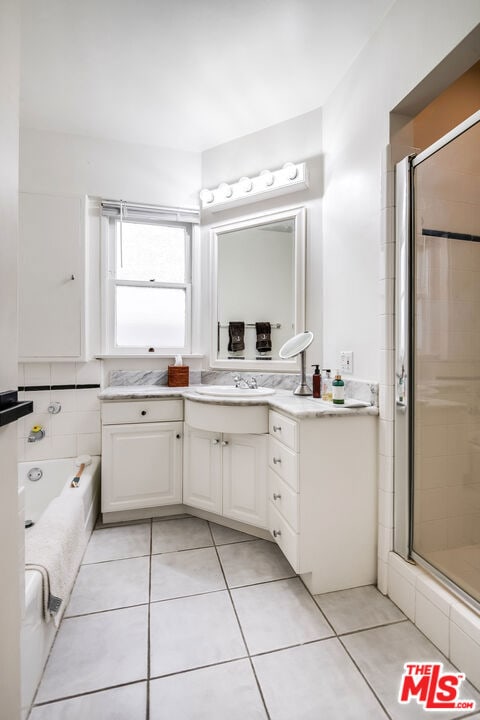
[295, 470]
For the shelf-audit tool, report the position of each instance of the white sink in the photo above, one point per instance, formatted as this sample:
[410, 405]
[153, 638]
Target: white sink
[232, 391]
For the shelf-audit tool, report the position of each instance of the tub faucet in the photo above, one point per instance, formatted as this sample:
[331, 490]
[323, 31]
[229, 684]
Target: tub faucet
[36, 433]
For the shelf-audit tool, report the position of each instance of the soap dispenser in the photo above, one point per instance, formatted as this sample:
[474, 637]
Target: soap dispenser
[316, 381]
[338, 390]
[327, 385]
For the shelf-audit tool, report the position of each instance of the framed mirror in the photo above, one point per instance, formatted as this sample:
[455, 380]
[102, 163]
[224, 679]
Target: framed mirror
[258, 290]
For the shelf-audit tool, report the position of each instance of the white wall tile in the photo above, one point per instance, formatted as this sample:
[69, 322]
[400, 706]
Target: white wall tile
[433, 622]
[387, 367]
[385, 508]
[66, 398]
[465, 653]
[64, 446]
[382, 576]
[387, 332]
[89, 372]
[89, 444]
[21, 449]
[385, 473]
[65, 423]
[40, 399]
[41, 450]
[88, 422]
[385, 542]
[467, 620]
[385, 441]
[386, 401]
[401, 592]
[87, 400]
[37, 374]
[63, 373]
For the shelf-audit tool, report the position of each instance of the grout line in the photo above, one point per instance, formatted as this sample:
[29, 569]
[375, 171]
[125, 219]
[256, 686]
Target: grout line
[372, 627]
[88, 692]
[147, 712]
[241, 630]
[199, 667]
[365, 679]
[102, 612]
[102, 562]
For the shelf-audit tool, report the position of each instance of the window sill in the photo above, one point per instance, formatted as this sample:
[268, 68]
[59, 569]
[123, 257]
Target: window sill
[147, 355]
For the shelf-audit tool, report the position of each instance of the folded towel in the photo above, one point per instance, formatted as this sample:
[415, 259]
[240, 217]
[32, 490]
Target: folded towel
[54, 548]
[236, 336]
[264, 337]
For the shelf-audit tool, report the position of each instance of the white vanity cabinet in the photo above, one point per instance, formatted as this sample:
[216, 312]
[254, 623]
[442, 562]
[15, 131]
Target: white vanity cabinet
[141, 454]
[322, 506]
[52, 252]
[225, 473]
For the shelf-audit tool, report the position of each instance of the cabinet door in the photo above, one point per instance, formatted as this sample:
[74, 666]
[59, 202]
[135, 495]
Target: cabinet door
[244, 478]
[51, 277]
[202, 483]
[141, 465]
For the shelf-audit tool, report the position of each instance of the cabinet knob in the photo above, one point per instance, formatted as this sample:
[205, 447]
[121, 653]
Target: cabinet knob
[277, 496]
[224, 442]
[72, 277]
[277, 428]
[216, 441]
[144, 412]
[178, 436]
[277, 461]
[276, 533]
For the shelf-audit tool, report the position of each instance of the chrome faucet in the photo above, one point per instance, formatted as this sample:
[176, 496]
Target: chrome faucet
[36, 433]
[241, 382]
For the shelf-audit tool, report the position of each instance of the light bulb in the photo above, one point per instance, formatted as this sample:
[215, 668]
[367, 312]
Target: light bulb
[245, 184]
[225, 189]
[267, 177]
[291, 170]
[206, 196]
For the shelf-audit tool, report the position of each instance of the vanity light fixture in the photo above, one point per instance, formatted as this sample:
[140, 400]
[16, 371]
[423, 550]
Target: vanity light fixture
[289, 178]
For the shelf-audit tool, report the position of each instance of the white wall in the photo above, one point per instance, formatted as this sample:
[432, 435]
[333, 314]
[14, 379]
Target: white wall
[413, 38]
[59, 163]
[294, 140]
[11, 561]
[74, 165]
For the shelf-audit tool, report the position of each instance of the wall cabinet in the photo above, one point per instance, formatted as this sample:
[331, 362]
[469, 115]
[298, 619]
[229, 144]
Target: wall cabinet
[142, 460]
[51, 277]
[226, 474]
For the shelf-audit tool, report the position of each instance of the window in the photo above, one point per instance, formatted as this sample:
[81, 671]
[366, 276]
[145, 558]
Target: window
[147, 281]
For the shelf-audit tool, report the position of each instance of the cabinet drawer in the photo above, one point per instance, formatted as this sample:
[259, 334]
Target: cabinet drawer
[283, 461]
[283, 498]
[283, 429]
[139, 411]
[284, 536]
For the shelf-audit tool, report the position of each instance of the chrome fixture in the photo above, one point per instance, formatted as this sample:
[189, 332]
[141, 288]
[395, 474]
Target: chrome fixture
[36, 433]
[54, 408]
[35, 474]
[241, 382]
[297, 345]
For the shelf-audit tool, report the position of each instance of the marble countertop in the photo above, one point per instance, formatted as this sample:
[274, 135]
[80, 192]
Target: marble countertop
[283, 400]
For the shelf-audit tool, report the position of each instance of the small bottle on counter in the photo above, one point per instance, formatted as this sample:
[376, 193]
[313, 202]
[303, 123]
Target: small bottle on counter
[338, 390]
[327, 385]
[316, 381]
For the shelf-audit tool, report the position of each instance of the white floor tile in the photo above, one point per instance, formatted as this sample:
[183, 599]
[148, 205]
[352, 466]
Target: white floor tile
[358, 609]
[253, 562]
[118, 542]
[192, 632]
[123, 703]
[183, 534]
[221, 692]
[188, 572]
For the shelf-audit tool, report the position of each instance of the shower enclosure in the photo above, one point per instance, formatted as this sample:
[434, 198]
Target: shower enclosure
[437, 414]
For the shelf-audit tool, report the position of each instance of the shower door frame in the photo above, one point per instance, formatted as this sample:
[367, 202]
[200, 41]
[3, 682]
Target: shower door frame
[404, 356]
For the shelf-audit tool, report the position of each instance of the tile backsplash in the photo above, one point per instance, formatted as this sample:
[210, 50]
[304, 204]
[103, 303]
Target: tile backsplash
[75, 430]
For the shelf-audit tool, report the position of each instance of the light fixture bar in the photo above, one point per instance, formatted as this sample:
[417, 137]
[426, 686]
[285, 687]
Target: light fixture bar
[268, 184]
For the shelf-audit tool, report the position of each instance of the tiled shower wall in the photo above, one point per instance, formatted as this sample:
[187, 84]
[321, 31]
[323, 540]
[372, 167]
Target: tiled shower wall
[76, 429]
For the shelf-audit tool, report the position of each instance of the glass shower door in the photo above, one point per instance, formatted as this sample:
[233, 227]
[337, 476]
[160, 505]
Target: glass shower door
[445, 360]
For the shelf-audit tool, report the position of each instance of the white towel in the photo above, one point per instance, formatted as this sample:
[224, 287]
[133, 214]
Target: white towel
[54, 547]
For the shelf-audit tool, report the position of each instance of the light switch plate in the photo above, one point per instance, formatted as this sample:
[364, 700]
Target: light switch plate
[346, 361]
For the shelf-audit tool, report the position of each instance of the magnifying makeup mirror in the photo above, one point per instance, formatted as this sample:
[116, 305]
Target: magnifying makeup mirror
[297, 346]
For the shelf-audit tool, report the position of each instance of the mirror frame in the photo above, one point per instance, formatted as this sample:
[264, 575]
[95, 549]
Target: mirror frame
[298, 214]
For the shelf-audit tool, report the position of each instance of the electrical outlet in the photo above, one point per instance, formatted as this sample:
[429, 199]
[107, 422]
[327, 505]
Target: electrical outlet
[346, 361]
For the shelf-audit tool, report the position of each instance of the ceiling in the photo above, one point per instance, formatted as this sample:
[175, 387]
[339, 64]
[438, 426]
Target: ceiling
[185, 74]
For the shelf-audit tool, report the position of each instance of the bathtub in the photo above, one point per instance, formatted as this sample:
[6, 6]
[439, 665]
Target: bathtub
[37, 635]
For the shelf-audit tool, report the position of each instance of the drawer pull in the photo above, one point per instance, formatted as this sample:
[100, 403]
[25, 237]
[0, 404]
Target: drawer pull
[277, 461]
[224, 442]
[144, 412]
[277, 428]
[178, 436]
[216, 441]
[276, 533]
[277, 496]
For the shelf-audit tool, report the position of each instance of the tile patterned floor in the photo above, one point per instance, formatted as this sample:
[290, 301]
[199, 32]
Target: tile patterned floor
[182, 619]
